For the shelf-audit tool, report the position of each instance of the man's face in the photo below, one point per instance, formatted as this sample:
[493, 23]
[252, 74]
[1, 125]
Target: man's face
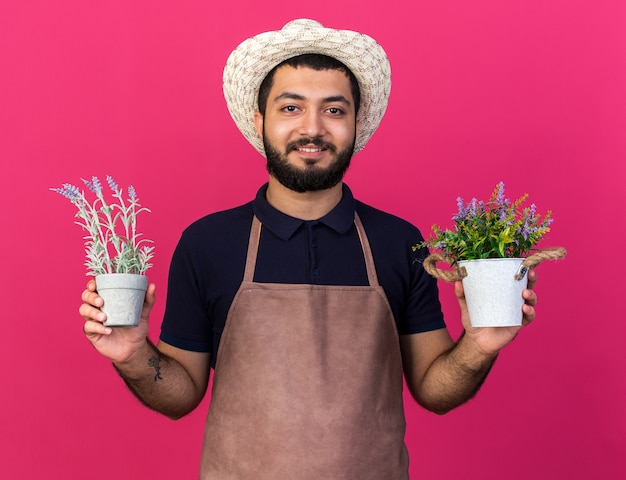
[309, 128]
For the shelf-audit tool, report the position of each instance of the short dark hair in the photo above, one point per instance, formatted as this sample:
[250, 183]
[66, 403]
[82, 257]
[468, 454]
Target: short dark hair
[316, 61]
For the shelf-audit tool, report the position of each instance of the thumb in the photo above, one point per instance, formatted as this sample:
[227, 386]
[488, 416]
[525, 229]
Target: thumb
[151, 294]
[460, 296]
[149, 300]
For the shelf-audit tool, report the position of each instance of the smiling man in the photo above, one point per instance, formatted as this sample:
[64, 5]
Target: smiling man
[313, 111]
[309, 305]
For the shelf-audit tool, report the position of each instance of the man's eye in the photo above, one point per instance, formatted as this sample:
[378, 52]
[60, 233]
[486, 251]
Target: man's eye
[335, 111]
[290, 108]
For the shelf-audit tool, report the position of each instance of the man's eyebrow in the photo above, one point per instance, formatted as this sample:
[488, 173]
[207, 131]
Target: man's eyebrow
[338, 98]
[297, 96]
[289, 96]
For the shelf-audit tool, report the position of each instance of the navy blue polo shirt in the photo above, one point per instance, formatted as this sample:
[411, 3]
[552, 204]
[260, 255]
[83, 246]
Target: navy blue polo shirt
[208, 264]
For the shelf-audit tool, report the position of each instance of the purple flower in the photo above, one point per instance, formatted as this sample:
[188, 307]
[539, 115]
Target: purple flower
[112, 184]
[472, 208]
[466, 211]
[68, 191]
[500, 197]
[459, 203]
[503, 209]
[95, 186]
[462, 213]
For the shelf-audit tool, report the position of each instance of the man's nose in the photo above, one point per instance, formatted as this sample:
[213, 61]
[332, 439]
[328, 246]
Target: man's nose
[312, 124]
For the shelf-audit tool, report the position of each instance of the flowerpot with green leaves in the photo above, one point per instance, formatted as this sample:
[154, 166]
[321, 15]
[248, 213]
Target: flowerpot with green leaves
[491, 247]
[116, 254]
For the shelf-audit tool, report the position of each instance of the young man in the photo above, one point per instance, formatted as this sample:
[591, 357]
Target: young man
[308, 304]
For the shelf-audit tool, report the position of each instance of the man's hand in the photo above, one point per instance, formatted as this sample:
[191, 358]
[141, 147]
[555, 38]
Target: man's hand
[490, 340]
[117, 344]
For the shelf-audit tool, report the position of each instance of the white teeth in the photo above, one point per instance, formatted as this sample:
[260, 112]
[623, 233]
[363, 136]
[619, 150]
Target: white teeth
[309, 150]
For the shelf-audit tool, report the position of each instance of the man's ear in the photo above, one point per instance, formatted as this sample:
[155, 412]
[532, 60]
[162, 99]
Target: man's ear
[258, 123]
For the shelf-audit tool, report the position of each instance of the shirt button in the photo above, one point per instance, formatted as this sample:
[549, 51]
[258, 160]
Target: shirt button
[314, 244]
[316, 271]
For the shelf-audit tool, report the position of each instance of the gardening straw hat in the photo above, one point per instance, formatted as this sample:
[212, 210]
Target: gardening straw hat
[253, 59]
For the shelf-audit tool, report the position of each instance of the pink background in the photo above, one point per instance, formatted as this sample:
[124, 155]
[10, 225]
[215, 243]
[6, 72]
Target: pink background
[529, 92]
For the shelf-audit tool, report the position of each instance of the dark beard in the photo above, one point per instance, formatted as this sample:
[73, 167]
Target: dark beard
[310, 178]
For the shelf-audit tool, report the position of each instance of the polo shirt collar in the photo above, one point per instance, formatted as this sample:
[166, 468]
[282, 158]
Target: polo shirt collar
[340, 218]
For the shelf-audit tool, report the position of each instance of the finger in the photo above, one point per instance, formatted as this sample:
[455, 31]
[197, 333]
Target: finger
[458, 290]
[92, 298]
[89, 312]
[148, 302]
[150, 295]
[96, 328]
[529, 313]
[532, 278]
[460, 296]
[530, 297]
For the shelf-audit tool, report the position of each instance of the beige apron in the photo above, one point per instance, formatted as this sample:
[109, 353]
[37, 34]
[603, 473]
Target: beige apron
[308, 383]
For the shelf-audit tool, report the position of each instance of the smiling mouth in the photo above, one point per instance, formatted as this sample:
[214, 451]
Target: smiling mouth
[310, 149]
[310, 146]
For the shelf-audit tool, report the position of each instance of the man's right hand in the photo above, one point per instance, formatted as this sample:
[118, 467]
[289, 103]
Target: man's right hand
[117, 344]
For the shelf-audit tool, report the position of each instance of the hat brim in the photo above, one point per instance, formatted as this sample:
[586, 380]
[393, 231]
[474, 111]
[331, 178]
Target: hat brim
[254, 58]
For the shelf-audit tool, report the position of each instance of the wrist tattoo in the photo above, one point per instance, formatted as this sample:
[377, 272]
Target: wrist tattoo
[155, 362]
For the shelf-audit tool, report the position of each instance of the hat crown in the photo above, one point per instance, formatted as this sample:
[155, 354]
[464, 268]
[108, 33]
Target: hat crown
[302, 23]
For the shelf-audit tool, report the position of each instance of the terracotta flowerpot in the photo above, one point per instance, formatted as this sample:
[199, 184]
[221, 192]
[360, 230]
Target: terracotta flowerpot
[123, 295]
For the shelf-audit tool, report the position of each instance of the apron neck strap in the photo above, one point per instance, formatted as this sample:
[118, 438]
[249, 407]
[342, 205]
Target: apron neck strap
[367, 251]
[253, 250]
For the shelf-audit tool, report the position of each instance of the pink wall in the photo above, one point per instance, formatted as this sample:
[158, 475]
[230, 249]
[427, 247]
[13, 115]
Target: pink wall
[531, 93]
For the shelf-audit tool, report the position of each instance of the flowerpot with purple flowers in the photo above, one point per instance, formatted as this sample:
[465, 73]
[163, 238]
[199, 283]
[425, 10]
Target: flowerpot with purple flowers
[491, 248]
[116, 254]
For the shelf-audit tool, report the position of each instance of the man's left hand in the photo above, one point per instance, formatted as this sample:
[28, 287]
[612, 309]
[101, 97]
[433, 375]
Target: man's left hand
[490, 340]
